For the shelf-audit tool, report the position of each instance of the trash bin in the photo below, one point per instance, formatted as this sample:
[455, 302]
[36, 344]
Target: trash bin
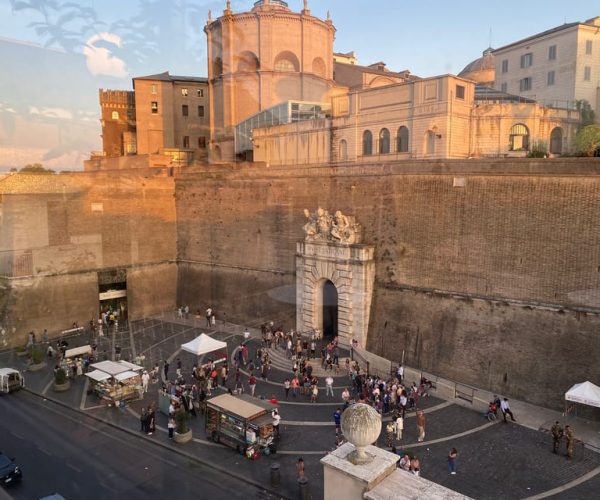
[303, 485]
[275, 475]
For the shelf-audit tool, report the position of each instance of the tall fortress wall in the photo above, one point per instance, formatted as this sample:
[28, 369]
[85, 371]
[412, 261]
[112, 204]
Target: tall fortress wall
[487, 271]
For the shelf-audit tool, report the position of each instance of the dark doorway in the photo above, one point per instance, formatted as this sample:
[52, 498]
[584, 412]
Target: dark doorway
[330, 311]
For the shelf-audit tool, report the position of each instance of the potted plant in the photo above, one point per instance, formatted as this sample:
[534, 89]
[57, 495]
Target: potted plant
[183, 433]
[37, 360]
[21, 350]
[61, 382]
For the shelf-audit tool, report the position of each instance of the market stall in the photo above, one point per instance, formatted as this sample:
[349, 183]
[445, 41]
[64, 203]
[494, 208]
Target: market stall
[74, 357]
[241, 422]
[116, 382]
[584, 393]
[204, 344]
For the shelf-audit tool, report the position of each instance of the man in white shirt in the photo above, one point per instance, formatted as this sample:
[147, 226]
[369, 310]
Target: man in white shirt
[145, 380]
[399, 427]
[246, 334]
[276, 419]
[504, 406]
[329, 385]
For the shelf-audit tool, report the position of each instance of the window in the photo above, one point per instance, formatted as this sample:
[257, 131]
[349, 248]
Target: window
[460, 91]
[284, 65]
[525, 84]
[115, 115]
[504, 87]
[186, 141]
[367, 143]
[588, 47]
[154, 107]
[587, 73]
[402, 140]
[550, 80]
[519, 138]
[384, 141]
[184, 92]
[200, 111]
[430, 142]
[202, 142]
[526, 60]
[184, 110]
[505, 66]
[200, 93]
[552, 52]
[153, 89]
[343, 150]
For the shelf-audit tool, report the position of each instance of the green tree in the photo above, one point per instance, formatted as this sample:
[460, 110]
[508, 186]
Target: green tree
[35, 168]
[587, 113]
[587, 140]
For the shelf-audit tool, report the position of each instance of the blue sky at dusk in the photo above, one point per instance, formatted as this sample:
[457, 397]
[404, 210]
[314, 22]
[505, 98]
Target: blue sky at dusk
[71, 48]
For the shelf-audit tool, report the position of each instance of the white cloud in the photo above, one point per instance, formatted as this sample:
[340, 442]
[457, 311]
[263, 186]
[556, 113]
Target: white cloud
[100, 60]
[61, 113]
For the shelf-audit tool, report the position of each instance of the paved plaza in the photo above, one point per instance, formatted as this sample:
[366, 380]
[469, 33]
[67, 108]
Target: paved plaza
[496, 460]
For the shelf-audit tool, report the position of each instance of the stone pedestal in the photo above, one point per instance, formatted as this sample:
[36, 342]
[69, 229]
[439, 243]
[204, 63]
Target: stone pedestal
[343, 479]
[351, 269]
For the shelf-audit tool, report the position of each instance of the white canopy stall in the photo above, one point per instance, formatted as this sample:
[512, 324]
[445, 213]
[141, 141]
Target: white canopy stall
[116, 381]
[204, 344]
[585, 393]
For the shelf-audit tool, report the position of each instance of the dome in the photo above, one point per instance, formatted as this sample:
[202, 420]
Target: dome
[482, 70]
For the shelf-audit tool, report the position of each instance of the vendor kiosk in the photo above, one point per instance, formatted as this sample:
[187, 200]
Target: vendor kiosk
[116, 382]
[69, 362]
[10, 380]
[241, 422]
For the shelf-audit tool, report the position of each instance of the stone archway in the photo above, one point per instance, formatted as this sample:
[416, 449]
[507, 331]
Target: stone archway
[351, 269]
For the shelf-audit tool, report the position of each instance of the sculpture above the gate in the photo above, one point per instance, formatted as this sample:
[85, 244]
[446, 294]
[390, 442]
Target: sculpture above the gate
[337, 228]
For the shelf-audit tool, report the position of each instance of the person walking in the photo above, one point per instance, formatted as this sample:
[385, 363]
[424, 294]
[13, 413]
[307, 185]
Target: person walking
[421, 425]
[452, 460]
[166, 370]
[557, 434]
[252, 384]
[286, 387]
[145, 380]
[171, 427]
[329, 386]
[505, 407]
[389, 434]
[399, 427]
[208, 316]
[570, 441]
[276, 421]
[337, 419]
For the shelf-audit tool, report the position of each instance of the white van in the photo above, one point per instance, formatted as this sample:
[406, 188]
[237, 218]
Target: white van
[10, 380]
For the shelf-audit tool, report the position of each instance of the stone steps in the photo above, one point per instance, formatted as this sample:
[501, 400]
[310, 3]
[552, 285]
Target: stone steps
[280, 361]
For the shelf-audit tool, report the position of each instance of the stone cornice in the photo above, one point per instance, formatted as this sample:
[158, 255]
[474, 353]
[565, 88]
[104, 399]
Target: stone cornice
[273, 15]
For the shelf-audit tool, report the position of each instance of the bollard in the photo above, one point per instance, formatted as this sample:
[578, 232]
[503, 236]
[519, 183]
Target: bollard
[303, 485]
[275, 475]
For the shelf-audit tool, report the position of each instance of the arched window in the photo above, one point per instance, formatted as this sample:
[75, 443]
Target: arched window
[556, 141]
[430, 142]
[343, 150]
[248, 62]
[384, 141]
[115, 115]
[318, 67]
[367, 143]
[402, 140]
[286, 61]
[519, 138]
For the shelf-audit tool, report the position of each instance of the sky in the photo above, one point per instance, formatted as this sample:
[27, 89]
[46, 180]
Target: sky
[65, 50]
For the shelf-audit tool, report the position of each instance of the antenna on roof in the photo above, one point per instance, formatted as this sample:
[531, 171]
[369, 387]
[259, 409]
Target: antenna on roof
[490, 44]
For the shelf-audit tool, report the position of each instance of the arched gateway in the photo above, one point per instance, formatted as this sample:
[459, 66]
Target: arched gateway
[334, 278]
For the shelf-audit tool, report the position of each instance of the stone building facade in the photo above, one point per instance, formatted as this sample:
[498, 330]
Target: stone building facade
[118, 122]
[439, 117]
[261, 58]
[556, 67]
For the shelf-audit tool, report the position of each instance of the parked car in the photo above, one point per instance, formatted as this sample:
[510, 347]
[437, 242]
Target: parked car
[10, 472]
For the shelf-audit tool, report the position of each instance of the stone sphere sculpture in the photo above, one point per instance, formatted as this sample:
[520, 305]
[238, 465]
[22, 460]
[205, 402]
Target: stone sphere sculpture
[361, 425]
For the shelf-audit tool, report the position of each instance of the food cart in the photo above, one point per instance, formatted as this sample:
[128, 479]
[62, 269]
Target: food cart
[10, 380]
[241, 422]
[116, 382]
[69, 362]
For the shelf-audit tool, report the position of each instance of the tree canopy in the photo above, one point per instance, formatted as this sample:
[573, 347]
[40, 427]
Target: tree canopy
[35, 168]
[587, 140]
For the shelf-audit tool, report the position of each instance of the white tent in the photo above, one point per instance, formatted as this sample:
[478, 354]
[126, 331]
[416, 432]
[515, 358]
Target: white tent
[203, 344]
[585, 393]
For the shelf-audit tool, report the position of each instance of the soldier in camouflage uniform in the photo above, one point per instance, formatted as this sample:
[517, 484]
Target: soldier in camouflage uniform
[557, 434]
[570, 441]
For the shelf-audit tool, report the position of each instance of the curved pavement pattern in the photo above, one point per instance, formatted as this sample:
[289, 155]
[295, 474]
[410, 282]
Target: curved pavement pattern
[495, 460]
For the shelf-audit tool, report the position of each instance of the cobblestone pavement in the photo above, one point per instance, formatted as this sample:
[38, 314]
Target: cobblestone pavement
[495, 460]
